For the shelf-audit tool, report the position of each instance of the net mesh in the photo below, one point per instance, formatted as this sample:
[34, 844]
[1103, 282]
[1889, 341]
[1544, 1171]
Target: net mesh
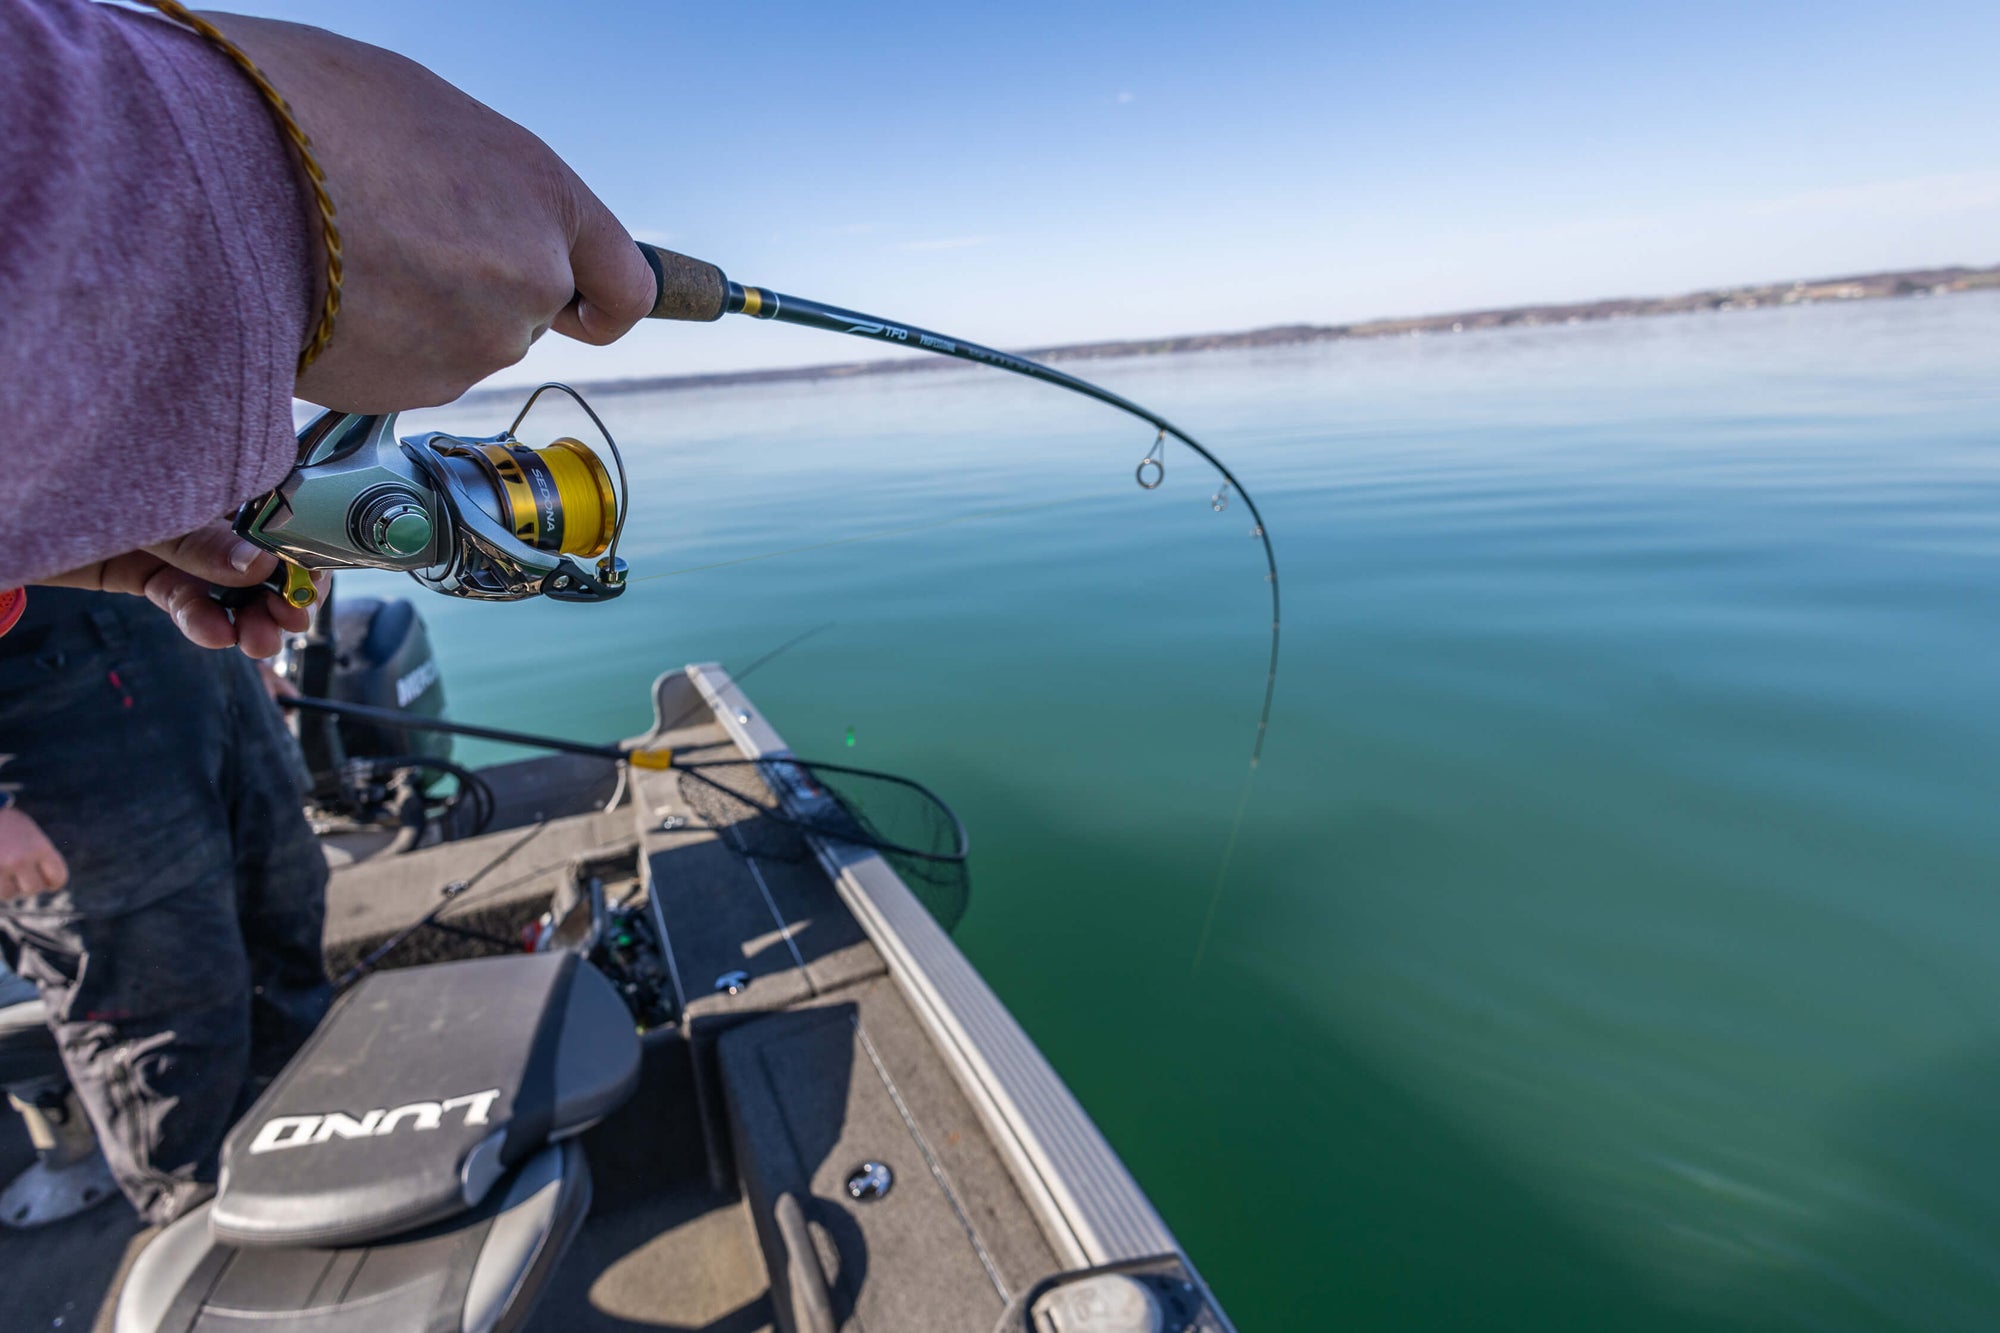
[769, 809]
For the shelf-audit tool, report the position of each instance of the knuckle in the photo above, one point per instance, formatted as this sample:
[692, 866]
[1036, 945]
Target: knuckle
[504, 347]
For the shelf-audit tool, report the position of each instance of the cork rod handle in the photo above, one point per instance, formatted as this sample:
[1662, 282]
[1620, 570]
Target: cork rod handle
[688, 288]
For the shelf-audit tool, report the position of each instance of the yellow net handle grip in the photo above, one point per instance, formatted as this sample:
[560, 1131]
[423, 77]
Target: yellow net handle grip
[655, 760]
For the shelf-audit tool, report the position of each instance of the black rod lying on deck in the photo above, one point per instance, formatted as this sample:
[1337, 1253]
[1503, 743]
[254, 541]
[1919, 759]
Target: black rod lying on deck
[391, 717]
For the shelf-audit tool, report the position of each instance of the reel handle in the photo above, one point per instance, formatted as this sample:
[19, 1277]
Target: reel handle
[290, 581]
[688, 288]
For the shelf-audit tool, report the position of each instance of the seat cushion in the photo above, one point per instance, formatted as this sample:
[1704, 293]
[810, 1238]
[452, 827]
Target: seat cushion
[421, 1089]
[481, 1272]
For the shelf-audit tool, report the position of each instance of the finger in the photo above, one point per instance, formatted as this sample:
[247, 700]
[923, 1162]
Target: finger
[126, 573]
[261, 627]
[55, 874]
[614, 283]
[20, 882]
[98, 577]
[216, 554]
[292, 619]
[184, 596]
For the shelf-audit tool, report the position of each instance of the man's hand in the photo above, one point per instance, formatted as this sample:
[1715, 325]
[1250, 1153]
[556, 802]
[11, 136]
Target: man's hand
[464, 237]
[29, 862]
[175, 576]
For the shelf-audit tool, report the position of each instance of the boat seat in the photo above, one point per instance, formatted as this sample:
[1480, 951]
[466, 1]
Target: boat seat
[408, 1169]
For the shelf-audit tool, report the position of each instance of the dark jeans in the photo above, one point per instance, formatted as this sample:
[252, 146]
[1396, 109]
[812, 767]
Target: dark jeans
[183, 960]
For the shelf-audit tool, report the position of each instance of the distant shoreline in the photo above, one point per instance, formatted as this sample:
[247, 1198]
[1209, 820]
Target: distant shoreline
[1860, 287]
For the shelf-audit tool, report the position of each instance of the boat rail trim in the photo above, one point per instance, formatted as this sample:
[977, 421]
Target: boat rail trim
[1092, 1209]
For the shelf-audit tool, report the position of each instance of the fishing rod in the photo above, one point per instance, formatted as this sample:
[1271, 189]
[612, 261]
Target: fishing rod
[496, 519]
[661, 759]
[638, 757]
[393, 717]
[692, 289]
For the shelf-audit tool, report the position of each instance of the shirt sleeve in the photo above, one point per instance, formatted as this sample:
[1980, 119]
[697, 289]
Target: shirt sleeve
[157, 280]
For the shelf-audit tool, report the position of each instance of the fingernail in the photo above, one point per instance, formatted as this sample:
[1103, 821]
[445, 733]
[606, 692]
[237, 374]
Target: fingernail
[242, 553]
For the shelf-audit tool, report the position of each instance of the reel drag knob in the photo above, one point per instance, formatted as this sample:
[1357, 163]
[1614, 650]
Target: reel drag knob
[395, 525]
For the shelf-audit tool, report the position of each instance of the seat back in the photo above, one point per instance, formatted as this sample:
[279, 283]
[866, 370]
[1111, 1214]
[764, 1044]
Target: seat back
[419, 1091]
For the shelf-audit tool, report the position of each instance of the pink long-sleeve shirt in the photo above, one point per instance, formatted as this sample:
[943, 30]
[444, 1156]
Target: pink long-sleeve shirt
[156, 284]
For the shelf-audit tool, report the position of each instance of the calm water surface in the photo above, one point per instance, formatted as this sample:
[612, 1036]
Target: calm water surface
[1614, 935]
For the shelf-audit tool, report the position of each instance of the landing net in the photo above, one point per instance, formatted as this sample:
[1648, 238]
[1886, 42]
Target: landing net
[772, 809]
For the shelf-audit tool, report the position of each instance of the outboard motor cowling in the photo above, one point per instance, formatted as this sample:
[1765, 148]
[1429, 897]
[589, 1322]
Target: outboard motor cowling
[382, 657]
[369, 774]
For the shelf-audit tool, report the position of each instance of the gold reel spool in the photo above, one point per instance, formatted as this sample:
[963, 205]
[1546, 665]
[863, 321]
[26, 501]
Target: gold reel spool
[590, 505]
[556, 498]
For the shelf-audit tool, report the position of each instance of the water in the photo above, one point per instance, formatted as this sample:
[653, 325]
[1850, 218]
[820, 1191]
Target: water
[1613, 940]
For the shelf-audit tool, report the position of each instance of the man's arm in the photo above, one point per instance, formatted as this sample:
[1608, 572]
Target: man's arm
[156, 280]
[159, 268]
[465, 238]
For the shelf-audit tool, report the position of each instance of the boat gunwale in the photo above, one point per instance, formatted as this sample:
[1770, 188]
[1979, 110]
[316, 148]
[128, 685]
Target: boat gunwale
[1091, 1208]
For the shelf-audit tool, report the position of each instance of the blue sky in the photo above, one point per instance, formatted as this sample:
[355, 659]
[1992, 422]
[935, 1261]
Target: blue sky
[1025, 174]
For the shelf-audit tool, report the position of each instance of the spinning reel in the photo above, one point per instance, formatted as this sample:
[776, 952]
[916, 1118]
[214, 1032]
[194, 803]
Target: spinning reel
[488, 518]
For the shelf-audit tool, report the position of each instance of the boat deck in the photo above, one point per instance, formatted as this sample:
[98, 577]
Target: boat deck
[824, 1058]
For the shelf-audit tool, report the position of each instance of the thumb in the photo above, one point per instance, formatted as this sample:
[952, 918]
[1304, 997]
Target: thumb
[615, 287]
[217, 554]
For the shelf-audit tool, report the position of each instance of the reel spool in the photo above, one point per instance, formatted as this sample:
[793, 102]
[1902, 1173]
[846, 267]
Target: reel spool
[489, 518]
[557, 498]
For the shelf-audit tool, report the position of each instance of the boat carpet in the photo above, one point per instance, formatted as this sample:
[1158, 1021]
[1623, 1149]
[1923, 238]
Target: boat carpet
[61, 1277]
[684, 1259]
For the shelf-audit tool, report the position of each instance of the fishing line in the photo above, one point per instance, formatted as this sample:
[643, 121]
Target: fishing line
[1222, 872]
[780, 650]
[700, 706]
[877, 535]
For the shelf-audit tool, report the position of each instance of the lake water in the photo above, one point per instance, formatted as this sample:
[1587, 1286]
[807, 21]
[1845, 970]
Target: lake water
[1613, 939]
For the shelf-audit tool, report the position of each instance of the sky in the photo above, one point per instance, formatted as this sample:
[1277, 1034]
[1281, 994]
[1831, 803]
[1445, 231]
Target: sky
[1029, 174]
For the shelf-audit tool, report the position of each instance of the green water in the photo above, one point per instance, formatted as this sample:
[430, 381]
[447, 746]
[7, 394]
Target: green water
[1612, 937]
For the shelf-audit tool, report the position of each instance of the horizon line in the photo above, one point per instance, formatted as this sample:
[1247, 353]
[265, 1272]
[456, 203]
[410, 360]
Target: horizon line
[1943, 280]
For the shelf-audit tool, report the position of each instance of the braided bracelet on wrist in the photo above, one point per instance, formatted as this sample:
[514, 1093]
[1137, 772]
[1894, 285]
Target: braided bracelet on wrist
[329, 230]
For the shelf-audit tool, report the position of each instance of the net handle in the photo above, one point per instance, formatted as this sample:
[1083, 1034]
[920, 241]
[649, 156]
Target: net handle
[961, 840]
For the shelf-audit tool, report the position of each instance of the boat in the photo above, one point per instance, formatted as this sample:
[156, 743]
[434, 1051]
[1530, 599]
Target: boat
[607, 1062]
